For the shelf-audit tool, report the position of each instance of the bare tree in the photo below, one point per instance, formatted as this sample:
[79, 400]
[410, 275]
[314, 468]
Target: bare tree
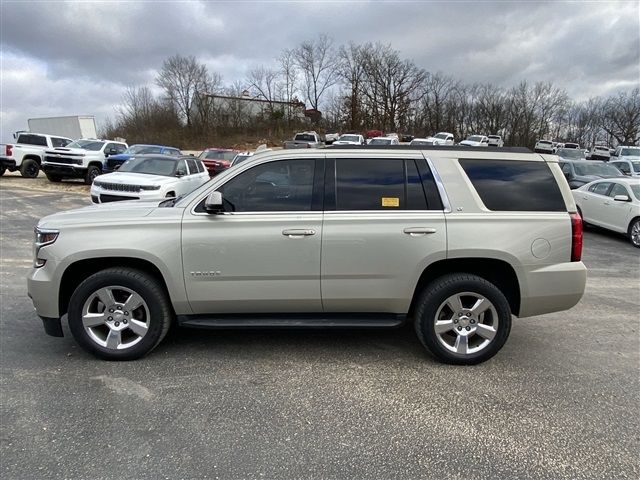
[621, 117]
[265, 84]
[181, 78]
[289, 80]
[316, 59]
[351, 72]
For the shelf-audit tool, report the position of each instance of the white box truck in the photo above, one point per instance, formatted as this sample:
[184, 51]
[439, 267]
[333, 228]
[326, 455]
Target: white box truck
[77, 126]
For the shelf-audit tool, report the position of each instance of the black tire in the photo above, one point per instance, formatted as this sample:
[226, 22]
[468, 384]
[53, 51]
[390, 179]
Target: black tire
[141, 283]
[29, 168]
[2, 170]
[92, 173]
[434, 296]
[634, 232]
[53, 178]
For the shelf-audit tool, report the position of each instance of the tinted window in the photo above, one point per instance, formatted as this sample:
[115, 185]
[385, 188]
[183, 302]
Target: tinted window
[600, 188]
[367, 184]
[59, 142]
[281, 186]
[199, 166]
[150, 165]
[505, 185]
[192, 166]
[623, 166]
[181, 168]
[416, 199]
[618, 190]
[33, 140]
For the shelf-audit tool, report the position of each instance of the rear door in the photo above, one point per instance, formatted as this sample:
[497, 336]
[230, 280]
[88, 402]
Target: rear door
[592, 203]
[383, 224]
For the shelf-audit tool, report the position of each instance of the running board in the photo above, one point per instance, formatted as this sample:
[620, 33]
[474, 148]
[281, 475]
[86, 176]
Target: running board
[293, 320]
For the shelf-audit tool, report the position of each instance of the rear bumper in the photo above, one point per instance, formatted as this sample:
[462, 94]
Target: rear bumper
[64, 170]
[552, 289]
[8, 163]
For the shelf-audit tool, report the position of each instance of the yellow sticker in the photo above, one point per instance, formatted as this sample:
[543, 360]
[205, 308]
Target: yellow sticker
[390, 202]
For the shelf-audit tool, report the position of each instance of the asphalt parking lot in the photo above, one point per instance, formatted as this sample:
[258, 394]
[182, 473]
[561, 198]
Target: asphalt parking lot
[561, 399]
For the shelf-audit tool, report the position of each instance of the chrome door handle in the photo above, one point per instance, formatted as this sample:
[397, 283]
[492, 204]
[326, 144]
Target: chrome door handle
[298, 233]
[418, 231]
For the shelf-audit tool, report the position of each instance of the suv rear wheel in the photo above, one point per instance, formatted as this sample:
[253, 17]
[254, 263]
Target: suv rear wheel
[462, 319]
[119, 314]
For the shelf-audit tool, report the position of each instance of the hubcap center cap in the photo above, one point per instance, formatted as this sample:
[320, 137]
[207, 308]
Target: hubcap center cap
[464, 321]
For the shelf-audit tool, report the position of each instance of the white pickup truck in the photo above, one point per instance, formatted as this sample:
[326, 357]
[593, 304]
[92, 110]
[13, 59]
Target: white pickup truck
[27, 153]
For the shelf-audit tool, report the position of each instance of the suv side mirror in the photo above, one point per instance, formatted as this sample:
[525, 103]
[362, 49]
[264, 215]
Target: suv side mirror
[621, 198]
[213, 203]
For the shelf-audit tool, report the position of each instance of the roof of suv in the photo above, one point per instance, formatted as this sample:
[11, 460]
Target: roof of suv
[446, 148]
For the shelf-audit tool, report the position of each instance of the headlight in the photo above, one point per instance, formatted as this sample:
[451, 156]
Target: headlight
[43, 236]
[149, 187]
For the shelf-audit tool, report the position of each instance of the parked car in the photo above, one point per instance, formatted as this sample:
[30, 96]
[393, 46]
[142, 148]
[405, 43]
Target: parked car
[627, 153]
[580, 172]
[219, 257]
[350, 139]
[304, 140]
[384, 141]
[150, 177]
[476, 141]
[406, 138]
[543, 146]
[613, 204]
[631, 168]
[113, 162]
[570, 154]
[495, 141]
[242, 156]
[217, 160]
[373, 133]
[418, 142]
[442, 138]
[83, 158]
[27, 153]
[329, 138]
[599, 152]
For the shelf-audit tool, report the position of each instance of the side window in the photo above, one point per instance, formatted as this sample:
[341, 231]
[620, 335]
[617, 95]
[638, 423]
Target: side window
[172, 151]
[618, 190]
[27, 139]
[623, 166]
[366, 184]
[200, 166]
[416, 199]
[181, 169]
[192, 166]
[120, 148]
[566, 169]
[281, 186]
[59, 142]
[110, 149]
[600, 188]
[506, 185]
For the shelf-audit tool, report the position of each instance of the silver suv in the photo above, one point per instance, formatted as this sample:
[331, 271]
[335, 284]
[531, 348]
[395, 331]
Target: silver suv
[455, 240]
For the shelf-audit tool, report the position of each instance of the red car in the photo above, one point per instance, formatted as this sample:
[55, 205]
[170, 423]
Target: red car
[217, 159]
[373, 133]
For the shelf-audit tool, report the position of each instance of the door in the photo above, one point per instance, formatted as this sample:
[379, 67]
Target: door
[617, 214]
[263, 253]
[592, 203]
[379, 231]
[191, 181]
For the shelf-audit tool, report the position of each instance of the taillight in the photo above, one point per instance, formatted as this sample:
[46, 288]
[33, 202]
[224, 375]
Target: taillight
[576, 237]
[9, 150]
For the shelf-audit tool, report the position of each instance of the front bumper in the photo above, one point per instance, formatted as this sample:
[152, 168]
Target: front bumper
[64, 170]
[102, 195]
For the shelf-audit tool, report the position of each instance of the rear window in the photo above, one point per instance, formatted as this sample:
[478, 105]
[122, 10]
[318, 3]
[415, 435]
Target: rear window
[27, 139]
[505, 185]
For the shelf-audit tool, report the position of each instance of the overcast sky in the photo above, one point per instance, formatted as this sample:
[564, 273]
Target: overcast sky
[66, 58]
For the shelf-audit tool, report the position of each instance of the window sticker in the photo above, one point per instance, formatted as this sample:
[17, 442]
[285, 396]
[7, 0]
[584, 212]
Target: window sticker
[390, 202]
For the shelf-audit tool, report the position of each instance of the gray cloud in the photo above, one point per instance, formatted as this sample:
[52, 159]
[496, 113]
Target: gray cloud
[78, 58]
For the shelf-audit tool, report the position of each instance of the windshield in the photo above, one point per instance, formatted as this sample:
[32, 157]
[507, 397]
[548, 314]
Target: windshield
[380, 141]
[442, 136]
[630, 151]
[240, 158]
[142, 149]
[591, 168]
[150, 165]
[494, 137]
[304, 137]
[217, 155]
[570, 153]
[636, 190]
[349, 138]
[87, 145]
[546, 142]
[421, 142]
[475, 138]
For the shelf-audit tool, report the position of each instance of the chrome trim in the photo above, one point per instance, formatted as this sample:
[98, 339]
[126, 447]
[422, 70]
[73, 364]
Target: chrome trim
[440, 184]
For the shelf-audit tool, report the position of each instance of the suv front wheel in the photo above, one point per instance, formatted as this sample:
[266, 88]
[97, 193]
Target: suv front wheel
[462, 319]
[119, 314]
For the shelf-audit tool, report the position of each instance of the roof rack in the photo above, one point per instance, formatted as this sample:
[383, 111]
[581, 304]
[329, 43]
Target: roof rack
[431, 147]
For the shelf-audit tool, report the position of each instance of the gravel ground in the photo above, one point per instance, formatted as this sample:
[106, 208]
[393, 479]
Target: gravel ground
[559, 401]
